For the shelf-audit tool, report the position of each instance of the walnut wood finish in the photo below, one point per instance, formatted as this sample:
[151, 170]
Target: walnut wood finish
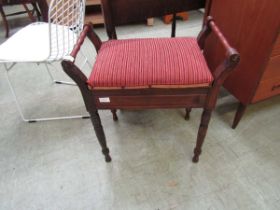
[41, 11]
[187, 115]
[26, 10]
[95, 119]
[167, 19]
[118, 12]
[125, 11]
[115, 116]
[205, 119]
[238, 115]
[149, 98]
[253, 28]
[44, 8]
[5, 22]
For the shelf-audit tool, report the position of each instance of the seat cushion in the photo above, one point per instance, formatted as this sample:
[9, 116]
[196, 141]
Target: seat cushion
[146, 63]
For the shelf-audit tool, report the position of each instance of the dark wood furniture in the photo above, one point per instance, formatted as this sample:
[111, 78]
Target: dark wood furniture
[252, 27]
[167, 19]
[44, 9]
[150, 95]
[40, 7]
[25, 7]
[93, 12]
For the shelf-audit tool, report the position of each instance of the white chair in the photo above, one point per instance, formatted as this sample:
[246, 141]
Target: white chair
[46, 43]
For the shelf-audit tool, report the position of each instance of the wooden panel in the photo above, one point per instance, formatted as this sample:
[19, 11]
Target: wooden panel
[95, 18]
[151, 91]
[270, 83]
[152, 101]
[93, 2]
[276, 48]
[251, 27]
[15, 2]
[272, 69]
[93, 12]
[136, 10]
[267, 88]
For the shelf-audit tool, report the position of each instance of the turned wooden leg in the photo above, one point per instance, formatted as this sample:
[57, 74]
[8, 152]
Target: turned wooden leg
[115, 116]
[188, 111]
[43, 7]
[238, 115]
[95, 119]
[5, 22]
[205, 118]
[29, 13]
[36, 10]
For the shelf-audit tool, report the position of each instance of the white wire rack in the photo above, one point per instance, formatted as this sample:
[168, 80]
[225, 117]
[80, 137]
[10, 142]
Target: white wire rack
[66, 20]
[46, 43]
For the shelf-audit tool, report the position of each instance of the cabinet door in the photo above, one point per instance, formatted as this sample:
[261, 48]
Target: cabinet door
[276, 48]
[270, 83]
[93, 12]
[251, 27]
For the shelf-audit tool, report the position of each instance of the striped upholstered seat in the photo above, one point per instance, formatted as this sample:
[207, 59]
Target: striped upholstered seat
[146, 63]
[172, 71]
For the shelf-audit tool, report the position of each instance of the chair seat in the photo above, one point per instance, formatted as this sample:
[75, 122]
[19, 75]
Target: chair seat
[32, 44]
[148, 63]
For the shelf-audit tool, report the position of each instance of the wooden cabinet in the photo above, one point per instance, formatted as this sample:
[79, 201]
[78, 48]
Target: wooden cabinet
[270, 81]
[252, 27]
[94, 12]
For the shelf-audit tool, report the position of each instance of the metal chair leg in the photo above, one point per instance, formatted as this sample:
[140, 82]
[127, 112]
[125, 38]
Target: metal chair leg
[55, 80]
[85, 60]
[61, 81]
[32, 120]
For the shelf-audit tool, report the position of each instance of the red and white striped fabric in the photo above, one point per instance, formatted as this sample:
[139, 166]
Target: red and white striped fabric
[150, 62]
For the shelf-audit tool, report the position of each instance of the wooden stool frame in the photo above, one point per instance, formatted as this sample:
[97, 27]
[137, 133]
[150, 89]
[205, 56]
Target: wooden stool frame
[153, 98]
